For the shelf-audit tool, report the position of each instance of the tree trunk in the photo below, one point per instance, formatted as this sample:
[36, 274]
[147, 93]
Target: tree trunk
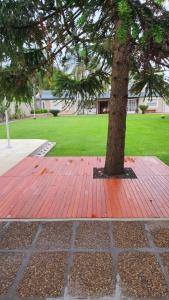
[114, 164]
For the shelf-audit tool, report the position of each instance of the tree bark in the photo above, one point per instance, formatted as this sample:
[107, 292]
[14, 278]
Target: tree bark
[114, 164]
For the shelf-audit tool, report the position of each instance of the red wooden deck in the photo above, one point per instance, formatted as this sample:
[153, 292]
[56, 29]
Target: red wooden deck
[63, 187]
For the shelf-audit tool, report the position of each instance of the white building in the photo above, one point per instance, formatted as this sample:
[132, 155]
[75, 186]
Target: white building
[100, 106]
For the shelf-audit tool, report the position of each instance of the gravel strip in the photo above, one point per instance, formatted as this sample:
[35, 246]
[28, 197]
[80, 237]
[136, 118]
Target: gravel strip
[44, 276]
[2, 224]
[161, 237]
[18, 235]
[91, 275]
[93, 235]
[56, 235]
[140, 275]
[9, 265]
[129, 234]
[165, 260]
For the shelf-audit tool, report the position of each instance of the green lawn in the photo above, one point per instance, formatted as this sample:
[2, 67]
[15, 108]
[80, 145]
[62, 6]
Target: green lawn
[86, 135]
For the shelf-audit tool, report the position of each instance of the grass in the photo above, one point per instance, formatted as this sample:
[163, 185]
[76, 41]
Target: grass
[86, 135]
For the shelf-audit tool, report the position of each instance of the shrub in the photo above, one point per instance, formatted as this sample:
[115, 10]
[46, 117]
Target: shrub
[39, 111]
[18, 114]
[143, 108]
[162, 116]
[44, 111]
[55, 112]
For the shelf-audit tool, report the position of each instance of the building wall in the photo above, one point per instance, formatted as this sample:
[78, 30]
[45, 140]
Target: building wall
[56, 104]
[47, 105]
[156, 105]
[166, 108]
[60, 105]
[24, 108]
[72, 110]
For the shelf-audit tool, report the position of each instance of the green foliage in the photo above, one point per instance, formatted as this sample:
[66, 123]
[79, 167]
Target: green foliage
[124, 13]
[157, 33]
[159, 2]
[143, 108]
[122, 32]
[70, 88]
[46, 82]
[123, 8]
[39, 111]
[2, 110]
[55, 112]
[32, 58]
[152, 81]
[35, 35]
[15, 86]
[135, 31]
[18, 113]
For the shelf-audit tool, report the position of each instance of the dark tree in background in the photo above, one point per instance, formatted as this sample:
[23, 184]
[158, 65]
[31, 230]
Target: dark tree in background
[114, 39]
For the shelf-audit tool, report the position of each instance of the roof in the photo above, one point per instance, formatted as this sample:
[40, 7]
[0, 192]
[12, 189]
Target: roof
[47, 95]
[106, 95]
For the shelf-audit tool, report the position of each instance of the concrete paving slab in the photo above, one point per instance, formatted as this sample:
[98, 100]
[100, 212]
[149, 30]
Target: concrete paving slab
[93, 235]
[129, 234]
[92, 276]
[141, 276]
[9, 264]
[55, 235]
[44, 276]
[20, 149]
[18, 235]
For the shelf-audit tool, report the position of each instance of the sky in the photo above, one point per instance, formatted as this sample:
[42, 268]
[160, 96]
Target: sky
[167, 4]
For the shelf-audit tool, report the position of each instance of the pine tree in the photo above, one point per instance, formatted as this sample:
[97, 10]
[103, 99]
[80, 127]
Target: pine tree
[114, 39]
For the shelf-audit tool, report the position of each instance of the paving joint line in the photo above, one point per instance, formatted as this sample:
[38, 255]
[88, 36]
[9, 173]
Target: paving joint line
[70, 260]
[87, 250]
[114, 255]
[125, 219]
[158, 258]
[4, 229]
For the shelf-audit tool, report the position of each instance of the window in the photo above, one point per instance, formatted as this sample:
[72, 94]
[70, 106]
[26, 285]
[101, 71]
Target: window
[152, 103]
[131, 106]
